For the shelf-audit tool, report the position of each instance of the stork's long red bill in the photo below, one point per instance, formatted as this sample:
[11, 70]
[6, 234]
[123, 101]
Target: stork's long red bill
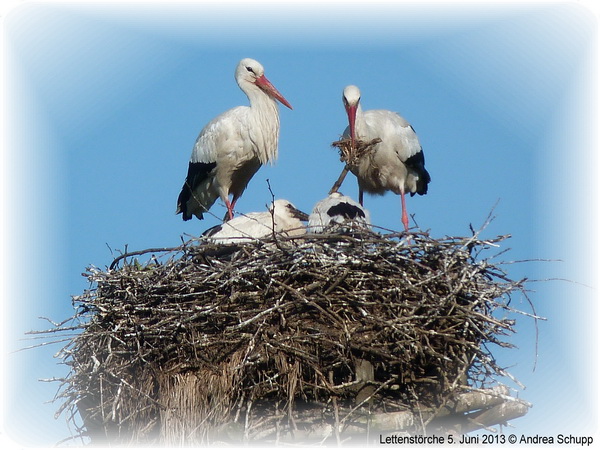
[266, 86]
[351, 111]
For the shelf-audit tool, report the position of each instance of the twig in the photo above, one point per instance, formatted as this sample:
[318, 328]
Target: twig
[340, 180]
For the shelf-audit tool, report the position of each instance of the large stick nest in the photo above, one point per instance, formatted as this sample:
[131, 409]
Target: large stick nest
[210, 343]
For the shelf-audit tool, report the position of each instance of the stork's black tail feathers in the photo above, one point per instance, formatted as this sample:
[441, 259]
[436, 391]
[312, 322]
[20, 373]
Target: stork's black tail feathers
[416, 163]
[197, 172]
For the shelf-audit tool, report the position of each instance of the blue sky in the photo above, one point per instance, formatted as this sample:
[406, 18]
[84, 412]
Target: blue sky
[102, 105]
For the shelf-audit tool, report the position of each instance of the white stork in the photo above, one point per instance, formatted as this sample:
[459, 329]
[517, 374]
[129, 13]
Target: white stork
[282, 218]
[337, 209]
[397, 163]
[233, 146]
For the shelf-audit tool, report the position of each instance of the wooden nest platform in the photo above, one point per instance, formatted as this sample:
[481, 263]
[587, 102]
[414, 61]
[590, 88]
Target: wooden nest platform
[323, 338]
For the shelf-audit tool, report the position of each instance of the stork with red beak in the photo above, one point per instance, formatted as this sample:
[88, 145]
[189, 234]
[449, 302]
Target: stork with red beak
[233, 146]
[395, 164]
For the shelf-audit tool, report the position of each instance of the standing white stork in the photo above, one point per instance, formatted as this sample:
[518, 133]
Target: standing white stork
[337, 209]
[282, 217]
[233, 146]
[395, 164]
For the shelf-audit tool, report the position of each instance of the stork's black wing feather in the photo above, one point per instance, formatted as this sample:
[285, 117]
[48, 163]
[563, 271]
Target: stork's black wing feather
[416, 163]
[345, 210]
[212, 231]
[197, 172]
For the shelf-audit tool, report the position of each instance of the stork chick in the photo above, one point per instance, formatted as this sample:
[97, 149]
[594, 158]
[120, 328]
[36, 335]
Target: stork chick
[281, 218]
[337, 209]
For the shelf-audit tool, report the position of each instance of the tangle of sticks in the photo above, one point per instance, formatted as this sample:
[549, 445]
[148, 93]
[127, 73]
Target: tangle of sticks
[317, 338]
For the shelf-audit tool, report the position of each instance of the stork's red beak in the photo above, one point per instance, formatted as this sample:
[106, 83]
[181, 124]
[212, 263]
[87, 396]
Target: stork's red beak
[266, 86]
[351, 111]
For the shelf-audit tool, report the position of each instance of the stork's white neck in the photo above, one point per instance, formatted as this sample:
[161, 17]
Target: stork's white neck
[360, 124]
[263, 122]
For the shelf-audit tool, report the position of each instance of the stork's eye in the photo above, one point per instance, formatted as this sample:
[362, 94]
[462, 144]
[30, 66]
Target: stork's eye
[249, 69]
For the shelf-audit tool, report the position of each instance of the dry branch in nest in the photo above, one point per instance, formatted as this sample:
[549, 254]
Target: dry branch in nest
[314, 338]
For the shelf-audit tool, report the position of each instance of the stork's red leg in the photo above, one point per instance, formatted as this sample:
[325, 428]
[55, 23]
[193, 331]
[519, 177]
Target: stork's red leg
[229, 208]
[404, 214]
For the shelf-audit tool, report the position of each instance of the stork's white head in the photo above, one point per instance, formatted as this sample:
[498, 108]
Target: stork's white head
[288, 218]
[351, 95]
[285, 208]
[251, 71]
[351, 99]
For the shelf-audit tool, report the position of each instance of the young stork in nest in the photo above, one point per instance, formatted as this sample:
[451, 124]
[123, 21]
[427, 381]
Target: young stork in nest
[337, 210]
[395, 164]
[281, 218]
[232, 147]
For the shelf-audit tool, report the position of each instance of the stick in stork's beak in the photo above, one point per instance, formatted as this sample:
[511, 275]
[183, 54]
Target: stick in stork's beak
[267, 87]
